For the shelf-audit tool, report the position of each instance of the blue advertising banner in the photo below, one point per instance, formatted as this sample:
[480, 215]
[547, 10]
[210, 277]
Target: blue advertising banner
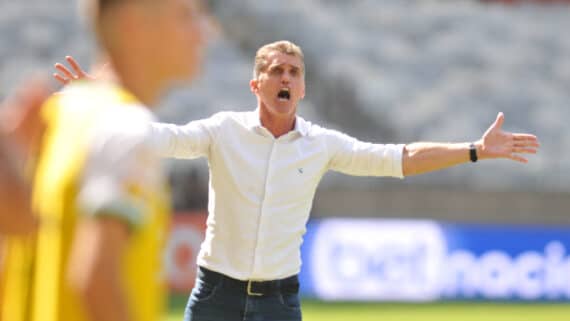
[415, 260]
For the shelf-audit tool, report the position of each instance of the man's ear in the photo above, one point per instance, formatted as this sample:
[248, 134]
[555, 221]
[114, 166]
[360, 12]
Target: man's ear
[254, 86]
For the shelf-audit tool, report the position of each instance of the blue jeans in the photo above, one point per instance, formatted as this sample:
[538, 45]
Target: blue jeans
[216, 297]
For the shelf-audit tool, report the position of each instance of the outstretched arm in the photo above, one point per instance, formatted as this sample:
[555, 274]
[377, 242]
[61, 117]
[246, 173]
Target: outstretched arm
[170, 141]
[496, 143]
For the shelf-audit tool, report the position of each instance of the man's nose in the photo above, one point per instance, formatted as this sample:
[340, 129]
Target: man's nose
[285, 78]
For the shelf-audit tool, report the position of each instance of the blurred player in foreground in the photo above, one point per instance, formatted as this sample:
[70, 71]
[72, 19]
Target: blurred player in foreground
[265, 166]
[98, 188]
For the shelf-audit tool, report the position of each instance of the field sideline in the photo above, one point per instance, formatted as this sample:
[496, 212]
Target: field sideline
[319, 311]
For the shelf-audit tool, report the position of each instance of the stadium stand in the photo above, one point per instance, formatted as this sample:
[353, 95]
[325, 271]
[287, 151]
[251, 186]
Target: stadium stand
[382, 70]
[430, 70]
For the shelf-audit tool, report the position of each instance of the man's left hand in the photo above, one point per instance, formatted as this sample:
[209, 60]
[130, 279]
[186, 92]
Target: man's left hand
[497, 143]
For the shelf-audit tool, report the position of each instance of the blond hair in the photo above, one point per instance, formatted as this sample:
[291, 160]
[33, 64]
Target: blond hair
[283, 46]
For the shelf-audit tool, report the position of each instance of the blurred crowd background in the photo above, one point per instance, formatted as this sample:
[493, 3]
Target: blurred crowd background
[380, 70]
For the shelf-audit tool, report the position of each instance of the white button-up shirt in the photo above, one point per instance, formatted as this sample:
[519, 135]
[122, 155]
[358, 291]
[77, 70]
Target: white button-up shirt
[261, 188]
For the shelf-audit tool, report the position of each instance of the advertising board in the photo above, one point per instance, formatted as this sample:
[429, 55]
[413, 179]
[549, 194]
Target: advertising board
[414, 260]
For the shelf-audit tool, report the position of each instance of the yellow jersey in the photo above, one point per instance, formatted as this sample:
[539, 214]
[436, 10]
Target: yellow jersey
[96, 157]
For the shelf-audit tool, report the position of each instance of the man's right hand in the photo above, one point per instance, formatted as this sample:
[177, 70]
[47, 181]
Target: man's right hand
[67, 76]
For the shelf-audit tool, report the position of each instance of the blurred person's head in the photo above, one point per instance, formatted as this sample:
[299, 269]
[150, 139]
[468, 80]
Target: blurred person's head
[152, 44]
[279, 77]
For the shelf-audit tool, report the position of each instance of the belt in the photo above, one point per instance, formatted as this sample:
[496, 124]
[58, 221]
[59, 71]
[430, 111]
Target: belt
[251, 287]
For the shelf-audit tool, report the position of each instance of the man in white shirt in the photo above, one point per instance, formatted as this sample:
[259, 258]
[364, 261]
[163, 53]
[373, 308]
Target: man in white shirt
[265, 166]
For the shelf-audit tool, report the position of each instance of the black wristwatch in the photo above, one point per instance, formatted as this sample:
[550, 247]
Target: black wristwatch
[473, 152]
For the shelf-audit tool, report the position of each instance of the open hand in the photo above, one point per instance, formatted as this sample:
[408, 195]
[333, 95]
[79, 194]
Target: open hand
[497, 143]
[66, 76]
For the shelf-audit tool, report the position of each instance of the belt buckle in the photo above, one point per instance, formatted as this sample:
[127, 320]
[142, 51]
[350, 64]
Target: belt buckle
[249, 292]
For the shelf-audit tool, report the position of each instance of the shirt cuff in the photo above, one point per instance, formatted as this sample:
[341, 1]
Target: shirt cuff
[398, 163]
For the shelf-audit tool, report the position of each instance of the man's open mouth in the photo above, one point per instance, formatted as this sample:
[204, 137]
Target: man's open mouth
[284, 94]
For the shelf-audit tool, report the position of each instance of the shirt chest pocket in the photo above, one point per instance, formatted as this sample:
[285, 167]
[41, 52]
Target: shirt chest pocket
[298, 179]
[302, 183]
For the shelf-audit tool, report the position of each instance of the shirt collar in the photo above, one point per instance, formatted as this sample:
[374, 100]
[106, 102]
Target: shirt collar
[301, 126]
[254, 122]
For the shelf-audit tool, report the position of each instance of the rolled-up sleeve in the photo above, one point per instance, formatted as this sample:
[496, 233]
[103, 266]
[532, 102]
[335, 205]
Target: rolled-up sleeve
[353, 157]
[187, 141]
